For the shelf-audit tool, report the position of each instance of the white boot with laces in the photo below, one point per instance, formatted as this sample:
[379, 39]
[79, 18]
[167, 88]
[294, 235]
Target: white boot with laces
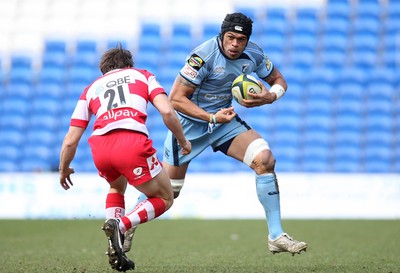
[285, 243]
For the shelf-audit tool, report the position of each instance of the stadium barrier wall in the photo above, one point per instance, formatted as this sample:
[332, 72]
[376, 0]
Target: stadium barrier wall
[209, 196]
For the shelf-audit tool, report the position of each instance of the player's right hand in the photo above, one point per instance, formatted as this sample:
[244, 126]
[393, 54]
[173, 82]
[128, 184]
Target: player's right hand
[225, 115]
[65, 179]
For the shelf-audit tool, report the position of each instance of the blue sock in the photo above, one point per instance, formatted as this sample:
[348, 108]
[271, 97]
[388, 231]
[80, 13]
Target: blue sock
[141, 198]
[268, 194]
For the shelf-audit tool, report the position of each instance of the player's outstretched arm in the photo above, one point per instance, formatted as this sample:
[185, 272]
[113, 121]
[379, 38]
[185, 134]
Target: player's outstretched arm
[68, 150]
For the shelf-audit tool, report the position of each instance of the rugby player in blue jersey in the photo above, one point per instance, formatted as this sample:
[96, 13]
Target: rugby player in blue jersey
[202, 97]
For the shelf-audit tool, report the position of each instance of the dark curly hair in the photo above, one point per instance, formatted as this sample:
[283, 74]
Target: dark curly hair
[115, 58]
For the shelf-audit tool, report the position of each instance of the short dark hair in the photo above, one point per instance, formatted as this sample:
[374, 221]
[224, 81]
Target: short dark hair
[115, 58]
[237, 22]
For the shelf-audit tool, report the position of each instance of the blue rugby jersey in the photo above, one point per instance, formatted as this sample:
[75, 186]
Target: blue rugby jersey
[213, 73]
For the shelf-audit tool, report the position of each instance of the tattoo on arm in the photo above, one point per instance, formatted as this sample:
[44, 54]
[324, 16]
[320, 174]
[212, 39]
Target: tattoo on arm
[271, 76]
[185, 82]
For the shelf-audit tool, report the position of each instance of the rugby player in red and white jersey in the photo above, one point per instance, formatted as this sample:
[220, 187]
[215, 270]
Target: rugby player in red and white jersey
[121, 149]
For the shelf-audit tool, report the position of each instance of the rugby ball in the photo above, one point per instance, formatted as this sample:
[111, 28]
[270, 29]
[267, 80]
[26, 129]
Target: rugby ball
[243, 85]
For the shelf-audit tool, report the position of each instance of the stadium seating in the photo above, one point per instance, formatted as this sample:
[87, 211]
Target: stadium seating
[341, 61]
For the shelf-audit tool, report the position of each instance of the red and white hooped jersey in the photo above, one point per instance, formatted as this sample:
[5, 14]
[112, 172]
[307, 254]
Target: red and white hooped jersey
[119, 100]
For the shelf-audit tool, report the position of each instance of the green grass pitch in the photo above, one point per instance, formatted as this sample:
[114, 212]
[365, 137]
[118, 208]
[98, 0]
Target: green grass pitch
[201, 246]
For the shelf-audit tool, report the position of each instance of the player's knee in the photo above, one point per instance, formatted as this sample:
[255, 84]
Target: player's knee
[264, 162]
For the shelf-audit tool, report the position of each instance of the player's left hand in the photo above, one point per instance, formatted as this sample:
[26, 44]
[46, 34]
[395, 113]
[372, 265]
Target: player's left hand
[265, 97]
[65, 179]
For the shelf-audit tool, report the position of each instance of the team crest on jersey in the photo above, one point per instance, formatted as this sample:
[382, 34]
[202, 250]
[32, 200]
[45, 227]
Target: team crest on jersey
[245, 67]
[138, 171]
[268, 63]
[195, 61]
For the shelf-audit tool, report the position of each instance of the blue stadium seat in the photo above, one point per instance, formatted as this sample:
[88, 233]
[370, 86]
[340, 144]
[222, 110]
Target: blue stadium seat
[181, 29]
[85, 45]
[346, 159]
[369, 10]
[373, 135]
[44, 120]
[166, 76]
[353, 76]
[378, 120]
[365, 40]
[318, 120]
[41, 137]
[315, 159]
[307, 14]
[276, 27]
[393, 9]
[378, 158]
[293, 75]
[303, 41]
[179, 43]
[272, 42]
[321, 136]
[150, 28]
[319, 97]
[7, 165]
[334, 26]
[55, 60]
[40, 151]
[334, 41]
[52, 75]
[381, 105]
[250, 11]
[320, 75]
[20, 61]
[13, 120]
[348, 136]
[33, 164]
[287, 157]
[367, 25]
[49, 90]
[338, 10]
[174, 59]
[85, 59]
[302, 58]
[276, 14]
[210, 30]
[150, 43]
[305, 26]
[149, 60]
[73, 89]
[15, 104]
[384, 76]
[81, 75]
[11, 136]
[365, 59]
[21, 75]
[55, 45]
[10, 152]
[391, 58]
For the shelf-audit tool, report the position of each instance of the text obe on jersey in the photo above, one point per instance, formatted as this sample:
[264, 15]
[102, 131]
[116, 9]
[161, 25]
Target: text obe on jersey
[118, 81]
[113, 83]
